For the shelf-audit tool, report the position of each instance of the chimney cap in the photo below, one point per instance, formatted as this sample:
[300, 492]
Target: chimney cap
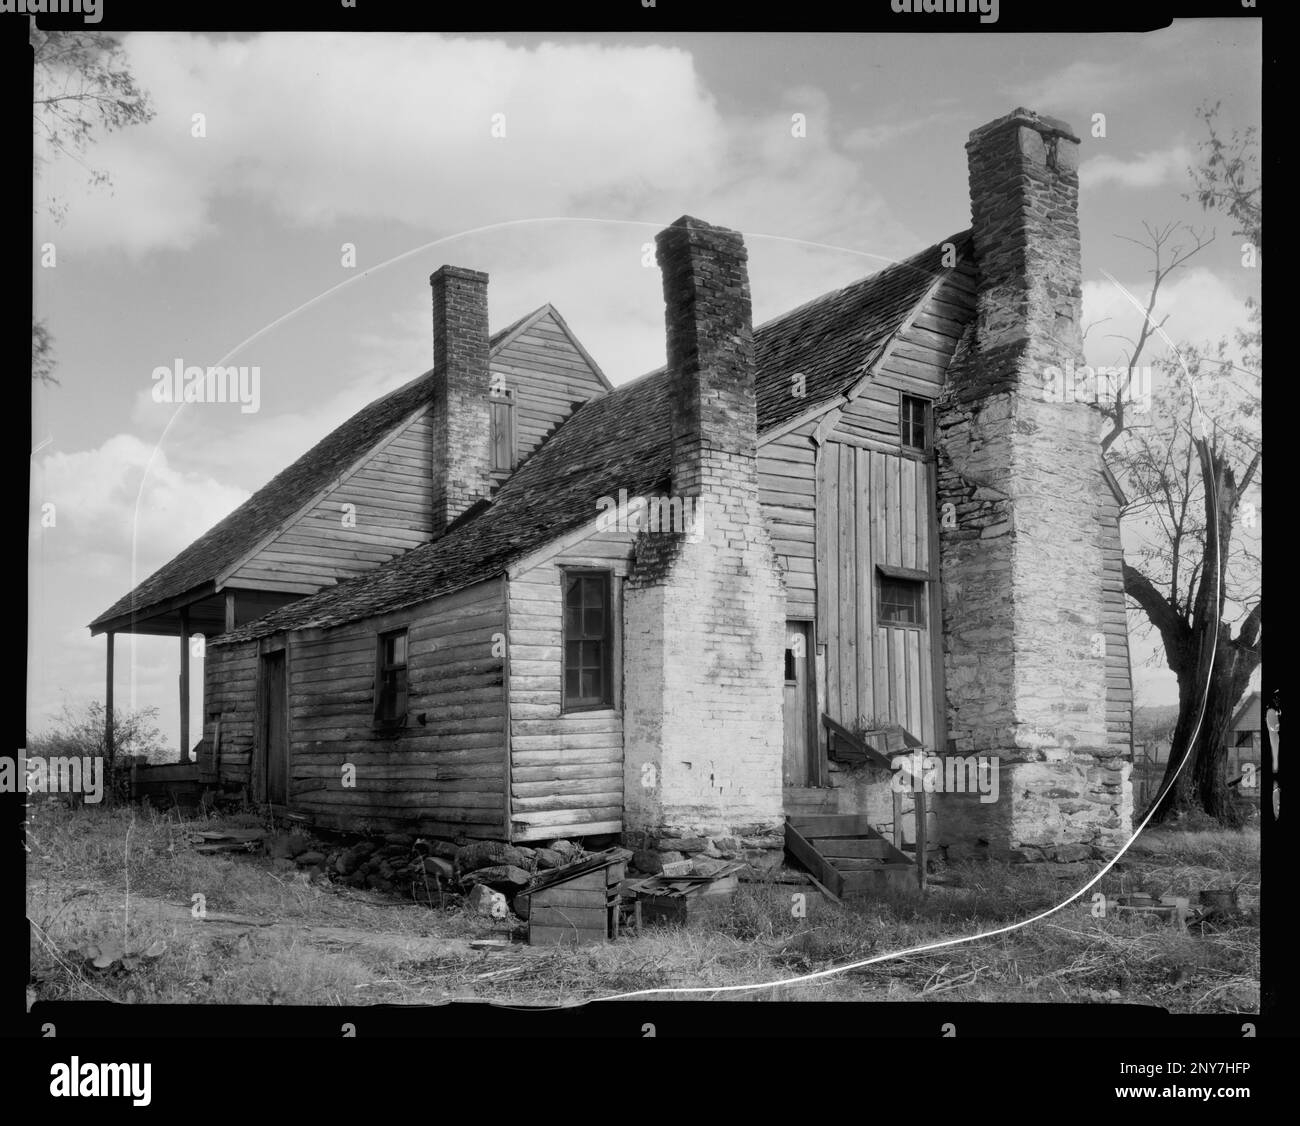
[691, 223]
[1048, 126]
[458, 272]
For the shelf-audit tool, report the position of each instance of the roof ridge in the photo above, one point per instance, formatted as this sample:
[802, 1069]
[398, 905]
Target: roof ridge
[599, 447]
[897, 263]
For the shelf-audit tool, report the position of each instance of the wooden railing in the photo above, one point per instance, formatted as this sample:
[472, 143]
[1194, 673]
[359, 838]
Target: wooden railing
[847, 747]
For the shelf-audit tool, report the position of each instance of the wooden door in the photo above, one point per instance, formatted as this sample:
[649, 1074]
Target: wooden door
[274, 729]
[800, 738]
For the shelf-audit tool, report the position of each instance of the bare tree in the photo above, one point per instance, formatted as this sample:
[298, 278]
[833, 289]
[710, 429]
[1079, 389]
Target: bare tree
[1187, 476]
[1194, 577]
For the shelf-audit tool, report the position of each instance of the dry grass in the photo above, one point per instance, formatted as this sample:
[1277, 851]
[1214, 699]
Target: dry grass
[272, 938]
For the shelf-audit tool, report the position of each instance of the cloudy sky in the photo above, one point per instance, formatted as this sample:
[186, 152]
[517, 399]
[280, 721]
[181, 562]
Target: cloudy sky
[386, 142]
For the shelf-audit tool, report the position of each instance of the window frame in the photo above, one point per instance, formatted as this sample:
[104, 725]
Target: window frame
[915, 580]
[402, 700]
[907, 422]
[506, 399]
[607, 700]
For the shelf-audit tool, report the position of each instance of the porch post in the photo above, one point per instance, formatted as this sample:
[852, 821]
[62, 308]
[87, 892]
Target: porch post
[185, 686]
[108, 700]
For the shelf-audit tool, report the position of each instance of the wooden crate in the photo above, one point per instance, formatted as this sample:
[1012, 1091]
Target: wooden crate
[577, 911]
[702, 904]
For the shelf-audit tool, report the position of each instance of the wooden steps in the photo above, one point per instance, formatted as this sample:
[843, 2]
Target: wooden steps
[847, 854]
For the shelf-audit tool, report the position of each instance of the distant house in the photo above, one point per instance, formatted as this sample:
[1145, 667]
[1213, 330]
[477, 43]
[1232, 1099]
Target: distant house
[1245, 743]
[461, 613]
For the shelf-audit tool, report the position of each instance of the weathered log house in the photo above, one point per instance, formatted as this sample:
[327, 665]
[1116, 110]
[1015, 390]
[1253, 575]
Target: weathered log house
[428, 622]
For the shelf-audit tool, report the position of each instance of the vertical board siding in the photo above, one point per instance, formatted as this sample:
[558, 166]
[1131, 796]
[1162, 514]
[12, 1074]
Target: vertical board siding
[392, 498]
[547, 376]
[872, 507]
[863, 476]
[846, 632]
[566, 769]
[788, 492]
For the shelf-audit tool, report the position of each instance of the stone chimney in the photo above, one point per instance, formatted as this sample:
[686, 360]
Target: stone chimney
[1024, 649]
[704, 612]
[461, 423]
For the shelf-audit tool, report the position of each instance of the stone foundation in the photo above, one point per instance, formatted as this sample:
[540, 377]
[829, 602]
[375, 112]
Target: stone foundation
[1043, 805]
[762, 848]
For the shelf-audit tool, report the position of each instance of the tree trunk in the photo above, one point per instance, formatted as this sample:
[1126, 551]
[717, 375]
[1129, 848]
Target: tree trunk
[1206, 701]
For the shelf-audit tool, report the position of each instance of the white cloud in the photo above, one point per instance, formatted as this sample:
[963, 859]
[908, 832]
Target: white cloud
[1201, 308]
[1146, 170]
[329, 127]
[126, 500]
[1082, 88]
[122, 510]
[325, 129]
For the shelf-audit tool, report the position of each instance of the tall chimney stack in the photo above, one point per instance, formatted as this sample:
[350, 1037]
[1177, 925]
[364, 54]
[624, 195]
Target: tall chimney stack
[461, 421]
[710, 357]
[704, 611]
[1024, 643]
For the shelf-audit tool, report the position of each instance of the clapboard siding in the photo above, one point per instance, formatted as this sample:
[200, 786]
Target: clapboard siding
[787, 482]
[915, 363]
[1119, 680]
[392, 503]
[546, 375]
[566, 774]
[444, 777]
[872, 508]
[391, 490]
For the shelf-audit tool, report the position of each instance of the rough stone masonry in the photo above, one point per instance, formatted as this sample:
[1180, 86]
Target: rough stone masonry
[704, 612]
[1022, 569]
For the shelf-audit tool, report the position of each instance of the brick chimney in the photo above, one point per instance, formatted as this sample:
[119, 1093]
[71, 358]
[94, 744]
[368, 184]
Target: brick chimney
[461, 423]
[704, 613]
[1024, 652]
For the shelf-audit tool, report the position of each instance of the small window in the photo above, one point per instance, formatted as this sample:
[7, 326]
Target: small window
[502, 406]
[791, 673]
[587, 641]
[390, 679]
[915, 422]
[902, 602]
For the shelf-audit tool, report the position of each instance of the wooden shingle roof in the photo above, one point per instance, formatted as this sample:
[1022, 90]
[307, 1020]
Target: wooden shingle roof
[836, 337]
[619, 437]
[223, 546]
[622, 441]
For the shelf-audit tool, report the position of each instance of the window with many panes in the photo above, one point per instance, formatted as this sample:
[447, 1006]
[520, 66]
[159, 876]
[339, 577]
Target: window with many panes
[587, 640]
[902, 602]
[914, 422]
[390, 679]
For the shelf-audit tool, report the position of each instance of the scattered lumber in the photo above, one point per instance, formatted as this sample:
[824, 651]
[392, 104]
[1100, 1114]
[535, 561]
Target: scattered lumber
[230, 840]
